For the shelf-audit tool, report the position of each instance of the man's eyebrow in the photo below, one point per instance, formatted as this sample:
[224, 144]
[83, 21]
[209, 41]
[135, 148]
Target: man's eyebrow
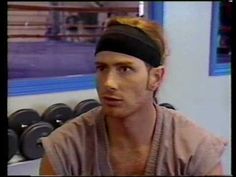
[116, 64]
[99, 63]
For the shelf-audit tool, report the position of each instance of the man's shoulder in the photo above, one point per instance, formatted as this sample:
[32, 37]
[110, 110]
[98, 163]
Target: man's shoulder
[197, 149]
[178, 121]
[89, 118]
[79, 126]
[185, 132]
[183, 127]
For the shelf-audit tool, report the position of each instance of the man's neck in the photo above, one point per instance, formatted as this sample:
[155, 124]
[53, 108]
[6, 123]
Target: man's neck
[133, 131]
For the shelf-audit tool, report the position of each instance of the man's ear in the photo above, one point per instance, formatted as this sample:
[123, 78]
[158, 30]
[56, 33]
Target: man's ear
[155, 77]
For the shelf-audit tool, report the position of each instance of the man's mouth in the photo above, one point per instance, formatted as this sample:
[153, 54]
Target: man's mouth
[111, 101]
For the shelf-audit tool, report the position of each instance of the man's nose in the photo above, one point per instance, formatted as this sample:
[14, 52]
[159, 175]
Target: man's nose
[110, 81]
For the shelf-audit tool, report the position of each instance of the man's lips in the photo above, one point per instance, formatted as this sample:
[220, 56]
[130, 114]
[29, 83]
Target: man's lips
[111, 101]
[111, 98]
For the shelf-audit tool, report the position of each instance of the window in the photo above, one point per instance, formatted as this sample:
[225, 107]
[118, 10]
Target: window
[221, 31]
[44, 48]
[58, 82]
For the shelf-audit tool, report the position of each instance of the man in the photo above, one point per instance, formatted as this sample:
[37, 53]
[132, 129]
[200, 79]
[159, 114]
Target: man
[130, 134]
[72, 27]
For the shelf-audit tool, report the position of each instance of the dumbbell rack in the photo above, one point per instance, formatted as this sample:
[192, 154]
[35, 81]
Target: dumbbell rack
[56, 114]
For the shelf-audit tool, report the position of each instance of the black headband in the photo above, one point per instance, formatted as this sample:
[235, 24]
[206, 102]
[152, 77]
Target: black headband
[131, 41]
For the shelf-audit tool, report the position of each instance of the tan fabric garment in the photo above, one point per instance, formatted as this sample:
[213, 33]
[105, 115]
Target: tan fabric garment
[179, 147]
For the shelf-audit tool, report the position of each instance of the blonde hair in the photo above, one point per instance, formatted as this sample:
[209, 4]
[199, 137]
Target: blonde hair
[151, 28]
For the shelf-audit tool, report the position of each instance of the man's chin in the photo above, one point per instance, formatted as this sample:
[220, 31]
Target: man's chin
[114, 112]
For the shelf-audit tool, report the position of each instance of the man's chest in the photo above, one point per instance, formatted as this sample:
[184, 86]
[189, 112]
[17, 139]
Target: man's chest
[129, 162]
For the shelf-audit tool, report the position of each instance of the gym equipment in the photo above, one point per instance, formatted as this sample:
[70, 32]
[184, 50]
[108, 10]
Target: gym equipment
[23, 118]
[31, 139]
[12, 143]
[57, 114]
[30, 129]
[85, 106]
[168, 105]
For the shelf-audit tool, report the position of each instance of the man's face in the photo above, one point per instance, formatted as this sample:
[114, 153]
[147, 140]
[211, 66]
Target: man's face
[121, 83]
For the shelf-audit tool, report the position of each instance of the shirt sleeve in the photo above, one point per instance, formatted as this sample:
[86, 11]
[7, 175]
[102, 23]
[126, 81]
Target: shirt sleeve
[207, 156]
[59, 149]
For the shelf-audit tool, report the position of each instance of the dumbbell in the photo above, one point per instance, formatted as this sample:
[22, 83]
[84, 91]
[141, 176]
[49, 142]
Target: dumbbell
[12, 143]
[85, 106]
[57, 114]
[168, 105]
[30, 129]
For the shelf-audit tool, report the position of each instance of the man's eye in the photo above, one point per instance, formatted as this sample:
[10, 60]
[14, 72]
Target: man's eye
[100, 68]
[125, 69]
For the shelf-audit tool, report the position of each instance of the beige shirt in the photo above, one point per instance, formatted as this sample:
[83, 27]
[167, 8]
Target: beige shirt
[179, 147]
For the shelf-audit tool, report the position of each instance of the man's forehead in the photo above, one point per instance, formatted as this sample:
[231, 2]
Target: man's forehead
[108, 57]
